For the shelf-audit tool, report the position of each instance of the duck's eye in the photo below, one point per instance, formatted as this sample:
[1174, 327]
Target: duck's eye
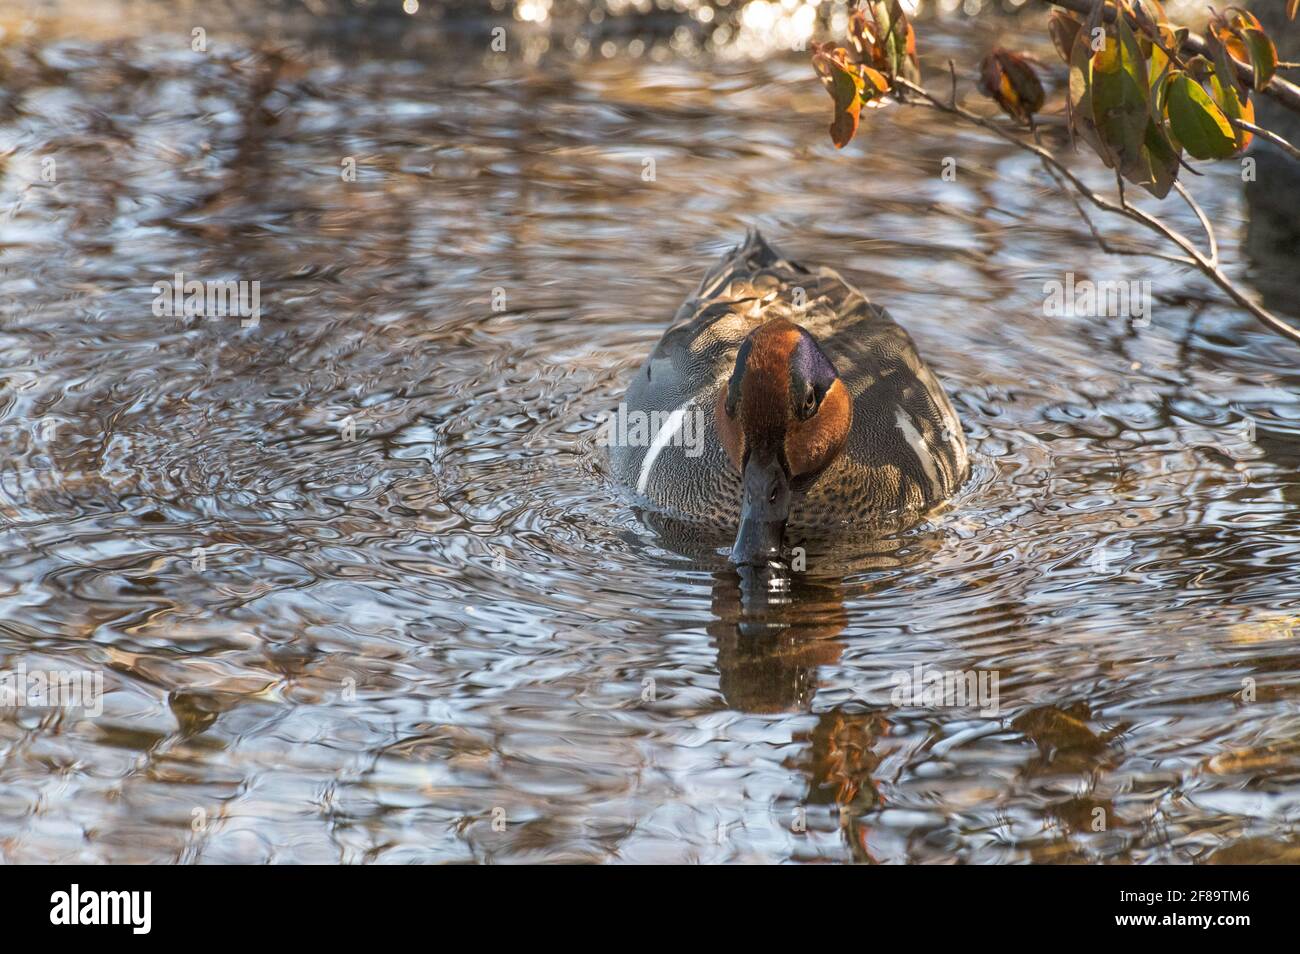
[809, 403]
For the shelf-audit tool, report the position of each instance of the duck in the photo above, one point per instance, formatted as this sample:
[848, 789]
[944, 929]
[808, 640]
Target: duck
[781, 405]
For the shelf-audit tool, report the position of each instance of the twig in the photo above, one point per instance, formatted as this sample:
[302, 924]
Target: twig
[1205, 223]
[1102, 242]
[1263, 133]
[1208, 267]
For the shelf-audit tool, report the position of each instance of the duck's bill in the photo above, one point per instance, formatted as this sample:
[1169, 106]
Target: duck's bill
[764, 510]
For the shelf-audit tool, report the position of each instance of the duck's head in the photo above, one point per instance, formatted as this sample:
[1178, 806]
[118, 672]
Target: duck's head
[783, 417]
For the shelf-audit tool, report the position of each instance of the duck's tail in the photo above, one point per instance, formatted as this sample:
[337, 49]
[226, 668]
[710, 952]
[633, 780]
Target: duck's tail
[746, 260]
[756, 253]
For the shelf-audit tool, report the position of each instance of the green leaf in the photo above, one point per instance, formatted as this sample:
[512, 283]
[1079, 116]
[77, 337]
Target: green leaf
[1234, 106]
[1157, 66]
[1263, 56]
[1080, 94]
[1197, 121]
[1223, 61]
[1120, 101]
[895, 40]
[1161, 157]
[1161, 147]
[1133, 60]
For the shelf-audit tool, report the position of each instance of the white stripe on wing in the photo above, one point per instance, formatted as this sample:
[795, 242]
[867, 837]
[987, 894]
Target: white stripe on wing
[666, 434]
[919, 447]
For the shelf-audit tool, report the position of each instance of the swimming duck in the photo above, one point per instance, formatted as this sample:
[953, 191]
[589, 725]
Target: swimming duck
[780, 402]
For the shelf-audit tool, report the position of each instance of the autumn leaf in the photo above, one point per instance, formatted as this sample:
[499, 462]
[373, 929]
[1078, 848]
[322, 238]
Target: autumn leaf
[1242, 35]
[1200, 125]
[1079, 103]
[1221, 43]
[874, 88]
[1150, 16]
[1120, 99]
[843, 80]
[885, 40]
[1239, 19]
[863, 37]
[1011, 82]
[1064, 27]
[1234, 106]
[851, 87]
[1227, 30]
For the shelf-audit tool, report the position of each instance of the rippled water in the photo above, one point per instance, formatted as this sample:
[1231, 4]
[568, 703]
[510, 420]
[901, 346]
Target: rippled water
[450, 638]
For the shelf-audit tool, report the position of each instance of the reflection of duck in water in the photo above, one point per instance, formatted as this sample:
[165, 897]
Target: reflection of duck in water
[772, 632]
[773, 629]
[814, 410]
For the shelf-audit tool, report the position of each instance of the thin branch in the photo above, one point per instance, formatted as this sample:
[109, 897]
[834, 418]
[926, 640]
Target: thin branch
[1107, 246]
[1205, 223]
[1263, 133]
[1205, 265]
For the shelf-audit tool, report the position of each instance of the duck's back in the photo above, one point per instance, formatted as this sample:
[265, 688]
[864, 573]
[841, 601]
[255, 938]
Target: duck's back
[905, 450]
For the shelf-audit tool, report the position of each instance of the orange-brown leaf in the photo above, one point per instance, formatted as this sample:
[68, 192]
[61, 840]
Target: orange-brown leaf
[863, 37]
[844, 81]
[1011, 82]
[887, 41]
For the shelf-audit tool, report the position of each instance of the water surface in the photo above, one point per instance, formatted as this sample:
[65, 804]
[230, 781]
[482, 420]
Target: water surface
[450, 638]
